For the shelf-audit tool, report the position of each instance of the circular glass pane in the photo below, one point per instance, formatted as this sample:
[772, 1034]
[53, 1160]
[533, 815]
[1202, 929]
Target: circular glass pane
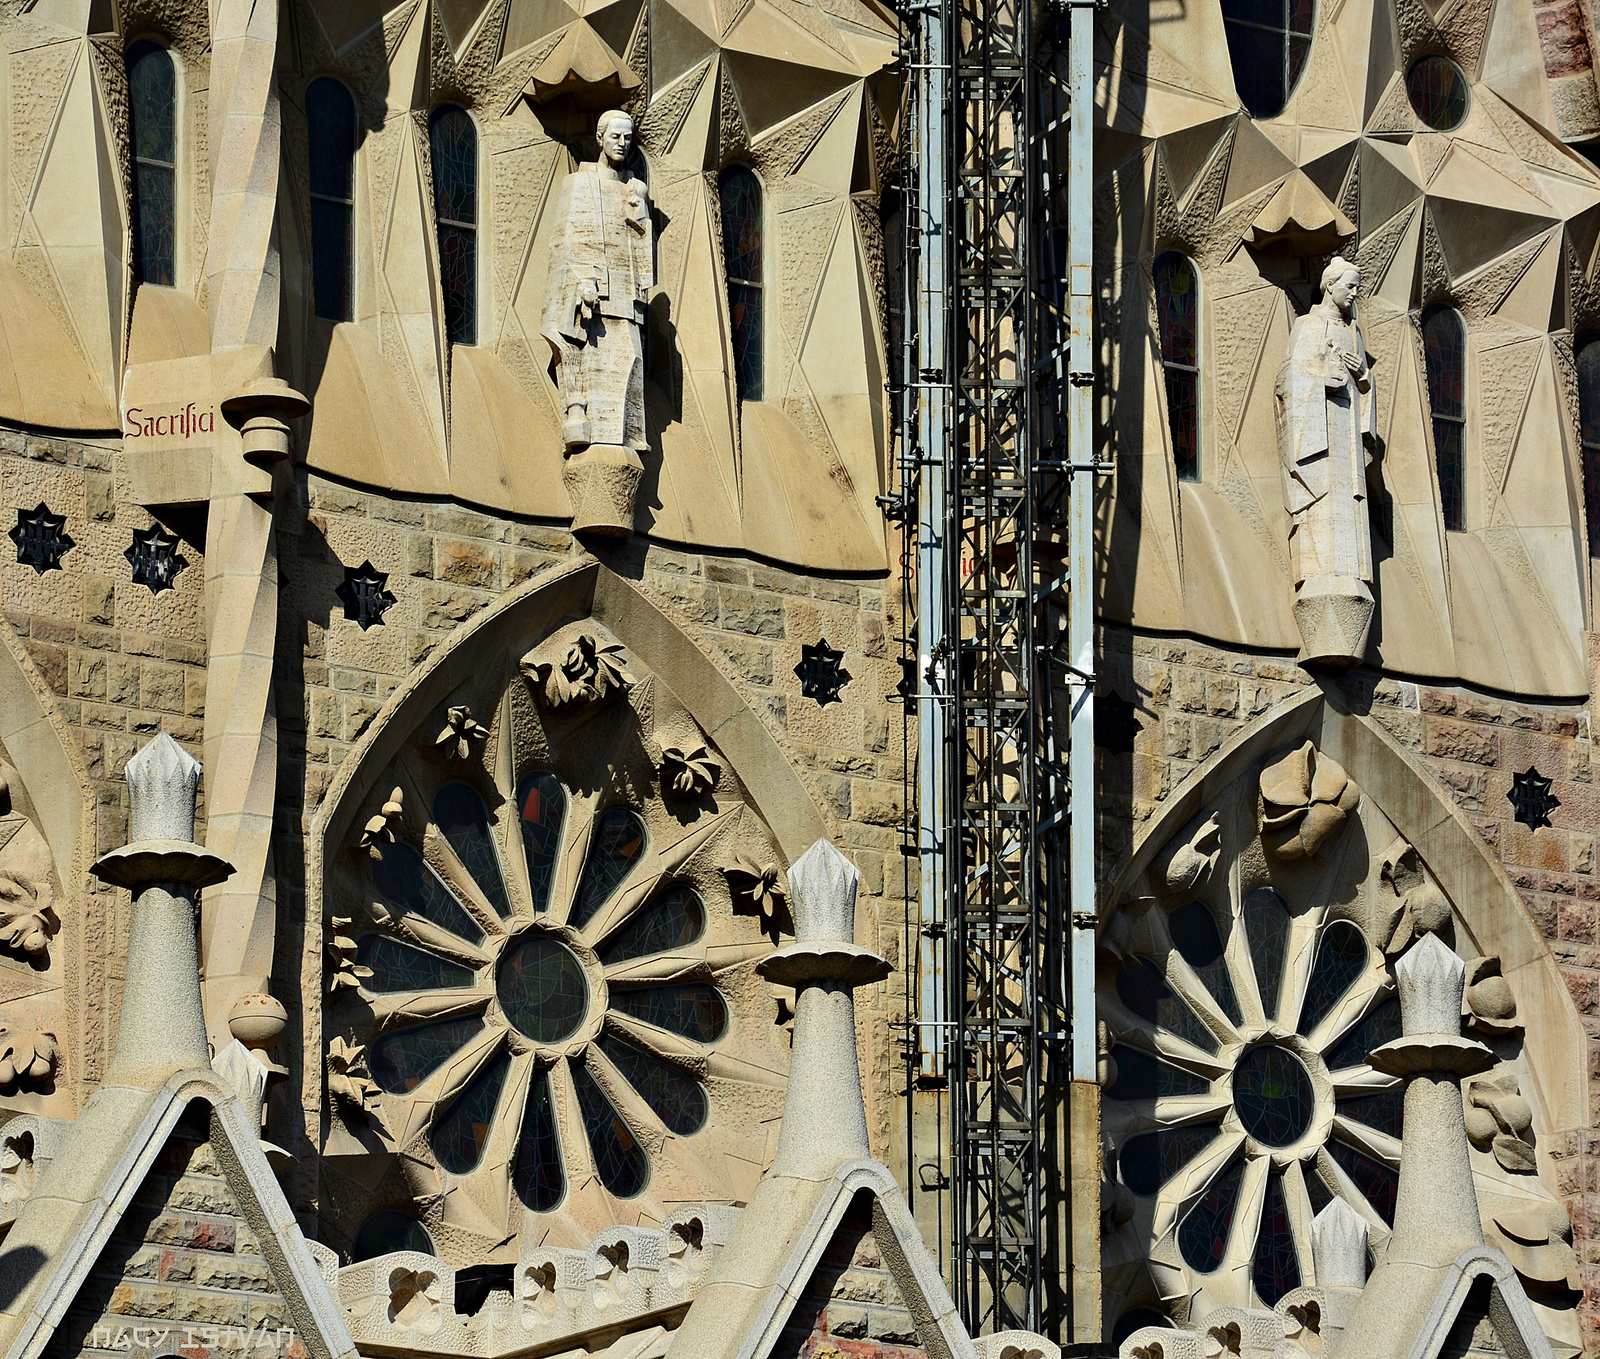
[1438, 92]
[1272, 1092]
[542, 988]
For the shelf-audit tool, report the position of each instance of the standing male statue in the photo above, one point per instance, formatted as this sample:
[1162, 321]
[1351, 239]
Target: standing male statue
[1327, 432]
[601, 272]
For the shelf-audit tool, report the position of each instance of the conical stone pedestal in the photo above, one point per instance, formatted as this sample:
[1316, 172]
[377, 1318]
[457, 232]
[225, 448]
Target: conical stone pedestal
[1333, 614]
[602, 483]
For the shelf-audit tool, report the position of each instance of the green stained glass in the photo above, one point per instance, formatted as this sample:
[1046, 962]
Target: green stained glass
[536, 1175]
[460, 1137]
[541, 808]
[402, 1060]
[463, 820]
[402, 967]
[1272, 1092]
[618, 843]
[694, 1011]
[404, 882]
[678, 1099]
[542, 988]
[670, 921]
[619, 1160]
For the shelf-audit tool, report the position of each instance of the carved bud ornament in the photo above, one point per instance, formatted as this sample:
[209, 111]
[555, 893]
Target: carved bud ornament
[462, 734]
[380, 829]
[688, 773]
[348, 1081]
[589, 671]
[758, 889]
[1305, 799]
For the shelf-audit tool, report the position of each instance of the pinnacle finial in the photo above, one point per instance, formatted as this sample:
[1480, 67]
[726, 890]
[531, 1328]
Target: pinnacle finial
[1339, 1246]
[822, 895]
[163, 779]
[1430, 978]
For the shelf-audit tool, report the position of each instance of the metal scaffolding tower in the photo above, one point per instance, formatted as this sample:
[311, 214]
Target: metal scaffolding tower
[997, 485]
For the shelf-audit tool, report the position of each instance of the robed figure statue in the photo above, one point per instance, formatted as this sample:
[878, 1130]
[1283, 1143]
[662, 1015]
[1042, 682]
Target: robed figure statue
[601, 272]
[1327, 434]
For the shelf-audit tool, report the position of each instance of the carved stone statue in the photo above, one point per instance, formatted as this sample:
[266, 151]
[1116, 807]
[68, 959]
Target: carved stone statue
[1326, 436]
[601, 272]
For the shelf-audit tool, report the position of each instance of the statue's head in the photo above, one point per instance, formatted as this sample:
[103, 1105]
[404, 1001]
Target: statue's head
[1341, 281]
[614, 131]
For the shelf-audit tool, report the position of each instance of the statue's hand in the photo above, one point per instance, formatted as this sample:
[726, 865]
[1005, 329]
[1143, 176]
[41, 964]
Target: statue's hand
[1352, 362]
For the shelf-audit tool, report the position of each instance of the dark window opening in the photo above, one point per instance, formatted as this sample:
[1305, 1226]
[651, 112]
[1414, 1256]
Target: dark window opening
[453, 147]
[153, 133]
[740, 193]
[331, 138]
[1268, 44]
[1444, 346]
[1178, 319]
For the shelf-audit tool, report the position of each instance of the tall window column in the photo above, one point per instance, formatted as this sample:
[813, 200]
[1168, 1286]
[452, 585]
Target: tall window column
[331, 131]
[453, 142]
[153, 129]
[1444, 347]
[741, 256]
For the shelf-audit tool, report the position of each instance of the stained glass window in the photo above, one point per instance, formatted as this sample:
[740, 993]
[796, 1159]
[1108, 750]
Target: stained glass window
[1149, 1160]
[459, 1138]
[453, 146]
[1272, 1093]
[1203, 1233]
[404, 882]
[1588, 354]
[1444, 347]
[1266, 926]
[1438, 92]
[1194, 934]
[401, 1061]
[331, 135]
[536, 1173]
[153, 130]
[1268, 43]
[619, 1160]
[1383, 1109]
[463, 820]
[542, 988]
[678, 1099]
[1276, 1267]
[1136, 1318]
[619, 840]
[541, 808]
[1378, 1183]
[400, 967]
[668, 922]
[1178, 317]
[741, 255]
[692, 1010]
[390, 1230]
[1341, 958]
[1143, 990]
[1141, 1076]
[1380, 1025]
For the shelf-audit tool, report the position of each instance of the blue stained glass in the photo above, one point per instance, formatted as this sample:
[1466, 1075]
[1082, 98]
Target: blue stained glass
[1144, 991]
[1341, 958]
[404, 882]
[1378, 1184]
[1203, 1233]
[453, 149]
[740, 193]
[1266, 926]
[1272, 1092]
[541, 808]
[153, 130]
[618, 844]
[1194, 934]
[463, 820]
[670, 921]
[542, 988]
[678, 1099]
[402, 967]
[692, 1010]
[331, 135]
[402, 1060]
[1380, 1025]
[1276, 1267]
[1149, 1160]
[1384, 1110]
[460, 1137]
[619, 1160]
[390, 1230]
[1141, 1076]
[536, 1174]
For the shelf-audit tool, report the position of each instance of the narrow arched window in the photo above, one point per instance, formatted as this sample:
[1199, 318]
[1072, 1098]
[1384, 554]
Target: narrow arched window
[741, 257]
[331, 133]
[1268, 43]
[1589, 434]
[153, 133]
[1178, 317]
[453, 144]
[1444, 348]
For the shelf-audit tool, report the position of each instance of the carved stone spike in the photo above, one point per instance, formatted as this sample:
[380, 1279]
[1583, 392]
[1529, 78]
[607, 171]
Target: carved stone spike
[1430, 979]
[1339, 1246]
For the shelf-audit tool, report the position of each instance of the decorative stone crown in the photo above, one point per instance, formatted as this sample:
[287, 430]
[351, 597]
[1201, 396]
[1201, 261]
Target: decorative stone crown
[1431, 978]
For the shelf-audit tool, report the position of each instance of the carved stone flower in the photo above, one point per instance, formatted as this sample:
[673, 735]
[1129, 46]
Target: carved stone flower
[461, 735]
[345, 972]
[27, 919]
[1499, 1119]
[348, 1080]
[688, 773]
[589, 671]
[757, 889]
[380, 829]
[26, 1055]
[1305, 799]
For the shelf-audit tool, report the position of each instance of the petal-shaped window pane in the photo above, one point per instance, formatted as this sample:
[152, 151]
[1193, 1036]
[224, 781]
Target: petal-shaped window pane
[463, 820]
[694, 1011]
[617, 845]
[668, 922]
[391, 1230]
[1266, 926]
[404, 882]
[1136, 1319]
[678, 1099]
[400, 967]
[1341, 958]
[1141, 1076]
[619, 1160]
[536, 1173]
[1203, 1233]
[1376, 1181]
[460, 1137]
[541, 808]
[1276, 1267]
[1384, 1109]
[1380, 1025]
[1148, 1161]
[1194, 935]
[401, 1061]
[1144, 991]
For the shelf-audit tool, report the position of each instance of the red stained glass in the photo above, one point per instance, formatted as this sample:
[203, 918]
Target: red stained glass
[1438, 92]
[544, 806]
[1203, 1233]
